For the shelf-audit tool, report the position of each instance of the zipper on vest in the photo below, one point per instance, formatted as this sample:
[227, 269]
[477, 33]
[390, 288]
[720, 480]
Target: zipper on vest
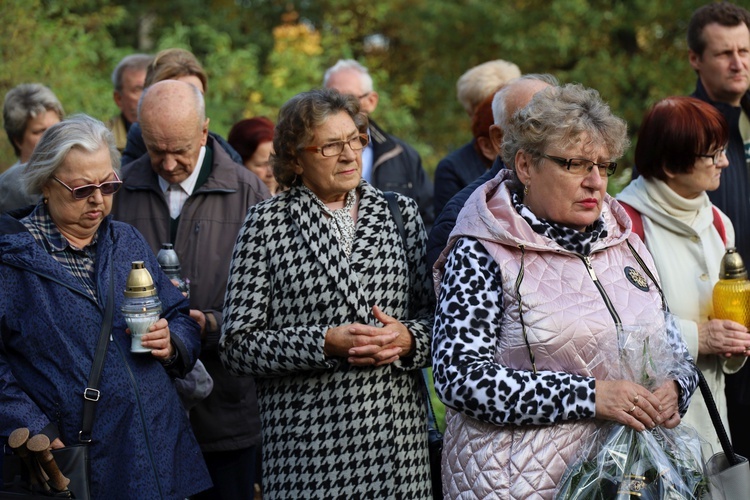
[602, 292]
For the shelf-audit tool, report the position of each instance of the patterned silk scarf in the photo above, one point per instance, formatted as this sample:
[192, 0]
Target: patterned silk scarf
[340, 221]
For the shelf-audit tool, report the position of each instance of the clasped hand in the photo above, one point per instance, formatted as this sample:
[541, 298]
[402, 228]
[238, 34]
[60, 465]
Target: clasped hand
[632, 404]
[364, 345]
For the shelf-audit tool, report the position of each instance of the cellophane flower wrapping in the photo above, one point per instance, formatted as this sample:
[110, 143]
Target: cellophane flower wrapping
[622, 463]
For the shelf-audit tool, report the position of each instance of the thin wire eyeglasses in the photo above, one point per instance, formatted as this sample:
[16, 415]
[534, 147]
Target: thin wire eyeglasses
[82, 192]
[336, 148]
[716, 157]
[582, 166]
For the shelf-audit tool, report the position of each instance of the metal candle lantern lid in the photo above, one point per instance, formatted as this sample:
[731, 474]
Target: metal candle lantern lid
[732, 267]
[167, 259]
[140, 283]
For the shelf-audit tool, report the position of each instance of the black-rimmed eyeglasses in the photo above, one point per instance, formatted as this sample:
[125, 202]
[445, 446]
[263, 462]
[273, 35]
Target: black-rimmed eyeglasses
[582, 166]
[82, 192]
[336, 148]
[715, 157]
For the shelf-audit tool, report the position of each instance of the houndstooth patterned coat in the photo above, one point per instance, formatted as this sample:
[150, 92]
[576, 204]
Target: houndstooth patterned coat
[331, 430]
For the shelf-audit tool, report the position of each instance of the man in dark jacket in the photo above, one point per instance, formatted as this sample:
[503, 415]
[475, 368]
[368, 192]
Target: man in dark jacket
[719, 52]
[515, 95]
[186, 190]
[388, 163]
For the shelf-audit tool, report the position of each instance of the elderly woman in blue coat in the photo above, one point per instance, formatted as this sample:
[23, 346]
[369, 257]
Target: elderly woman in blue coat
[57, 260]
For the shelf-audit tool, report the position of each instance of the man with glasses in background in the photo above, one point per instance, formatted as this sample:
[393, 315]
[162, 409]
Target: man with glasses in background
[388, 163]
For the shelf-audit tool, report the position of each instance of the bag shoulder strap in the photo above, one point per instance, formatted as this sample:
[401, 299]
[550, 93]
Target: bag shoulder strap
[719, 225]
[708, 398]
[91, 393]
[390, 196]
[637, 220]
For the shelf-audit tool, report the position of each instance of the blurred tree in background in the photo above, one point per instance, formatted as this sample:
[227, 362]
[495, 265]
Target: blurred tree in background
[258, 53]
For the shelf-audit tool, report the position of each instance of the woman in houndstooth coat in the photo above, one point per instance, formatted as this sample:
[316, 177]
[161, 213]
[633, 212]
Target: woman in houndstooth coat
[331, 311]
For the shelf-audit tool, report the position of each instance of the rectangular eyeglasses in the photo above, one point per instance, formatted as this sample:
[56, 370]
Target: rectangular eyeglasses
[582, 166]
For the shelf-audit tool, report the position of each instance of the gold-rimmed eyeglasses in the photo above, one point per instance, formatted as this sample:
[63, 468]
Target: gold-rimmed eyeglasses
[336, 148]
[582, 166]
[82, 192]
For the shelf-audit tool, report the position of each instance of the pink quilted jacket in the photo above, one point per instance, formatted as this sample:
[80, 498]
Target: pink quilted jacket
[567, 323]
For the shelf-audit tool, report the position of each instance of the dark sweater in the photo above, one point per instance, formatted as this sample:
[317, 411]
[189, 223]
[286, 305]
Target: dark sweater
[445, 222]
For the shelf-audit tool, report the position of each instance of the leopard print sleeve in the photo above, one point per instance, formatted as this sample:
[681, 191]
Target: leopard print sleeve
[685, 374]
[467, 377]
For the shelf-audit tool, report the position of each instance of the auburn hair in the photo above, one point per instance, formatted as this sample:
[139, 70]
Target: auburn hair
[674, 132]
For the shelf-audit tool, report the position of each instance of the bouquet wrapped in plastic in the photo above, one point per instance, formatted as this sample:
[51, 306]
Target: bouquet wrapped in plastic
[622, 463]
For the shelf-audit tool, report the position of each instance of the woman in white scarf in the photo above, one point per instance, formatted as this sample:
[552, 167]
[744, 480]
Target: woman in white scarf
[680, 156]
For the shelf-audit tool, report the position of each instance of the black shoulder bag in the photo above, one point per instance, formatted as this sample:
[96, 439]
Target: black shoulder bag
[73, 459]
[434, 436]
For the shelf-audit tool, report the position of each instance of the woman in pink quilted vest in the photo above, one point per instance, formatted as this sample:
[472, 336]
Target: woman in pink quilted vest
[680, 156]
[540, 274]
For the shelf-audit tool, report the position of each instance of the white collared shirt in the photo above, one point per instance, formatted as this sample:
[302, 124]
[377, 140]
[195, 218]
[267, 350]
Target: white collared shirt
[177, 194]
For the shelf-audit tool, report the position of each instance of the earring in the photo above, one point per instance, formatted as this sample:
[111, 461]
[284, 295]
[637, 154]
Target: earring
[46, 200]
[526, 190]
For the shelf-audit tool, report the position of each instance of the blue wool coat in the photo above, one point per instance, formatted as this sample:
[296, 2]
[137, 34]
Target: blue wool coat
[142, 445]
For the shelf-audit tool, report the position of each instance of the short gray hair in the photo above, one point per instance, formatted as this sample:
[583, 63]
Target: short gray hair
[560, 115]
[23, 103]
[77, 132]
[499, 103]
[350, 64]
[128, 63]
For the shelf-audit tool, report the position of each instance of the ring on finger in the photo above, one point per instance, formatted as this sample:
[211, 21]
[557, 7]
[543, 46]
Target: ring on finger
[636, 399]
[632, 409]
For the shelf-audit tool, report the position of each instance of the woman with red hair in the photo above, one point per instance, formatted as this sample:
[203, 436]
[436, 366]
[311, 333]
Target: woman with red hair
[253, 140]
[680, 155]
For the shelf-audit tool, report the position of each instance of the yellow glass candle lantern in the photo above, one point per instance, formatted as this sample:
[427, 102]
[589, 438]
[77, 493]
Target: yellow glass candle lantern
[731, 295]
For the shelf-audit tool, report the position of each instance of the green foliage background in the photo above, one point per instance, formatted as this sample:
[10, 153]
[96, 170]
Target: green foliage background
[258, 53]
